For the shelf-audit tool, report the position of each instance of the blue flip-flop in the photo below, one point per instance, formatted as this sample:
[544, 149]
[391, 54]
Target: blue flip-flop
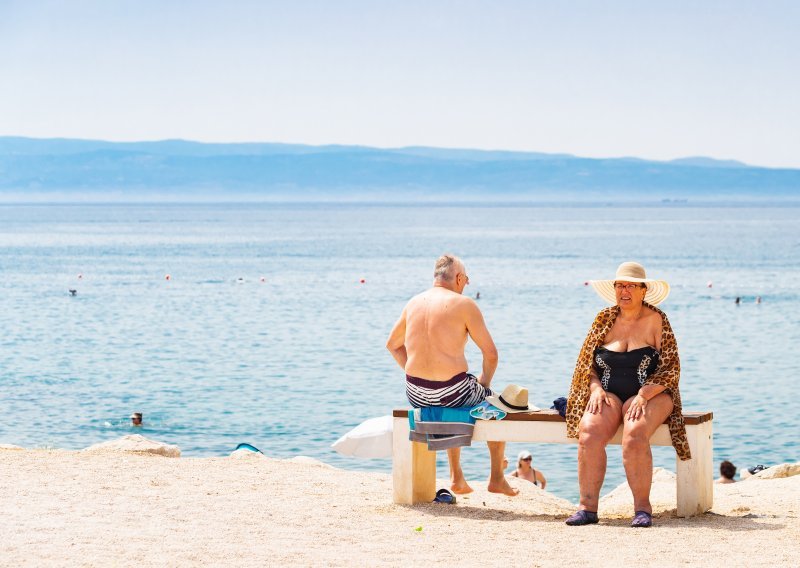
[445, 496]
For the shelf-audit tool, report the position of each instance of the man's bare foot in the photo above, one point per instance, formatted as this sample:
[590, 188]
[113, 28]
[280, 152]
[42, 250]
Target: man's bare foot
[461, 487]
[502, 487]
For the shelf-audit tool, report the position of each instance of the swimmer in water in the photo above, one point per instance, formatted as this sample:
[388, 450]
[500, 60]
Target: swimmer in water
[136, 419]
[726, 472]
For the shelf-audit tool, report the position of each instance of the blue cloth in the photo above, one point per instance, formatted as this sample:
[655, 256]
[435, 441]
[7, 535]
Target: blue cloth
[560, 404]
[443, 427]
[485, 411]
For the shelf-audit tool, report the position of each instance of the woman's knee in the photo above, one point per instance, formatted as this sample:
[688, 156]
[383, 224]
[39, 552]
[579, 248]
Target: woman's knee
[593, 434]
[635, 440]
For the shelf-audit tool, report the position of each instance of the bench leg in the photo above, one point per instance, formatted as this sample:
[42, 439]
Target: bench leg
[413, 467]
[696, 476]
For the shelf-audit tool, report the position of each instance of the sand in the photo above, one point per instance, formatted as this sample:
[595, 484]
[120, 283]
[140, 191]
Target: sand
[112, 508]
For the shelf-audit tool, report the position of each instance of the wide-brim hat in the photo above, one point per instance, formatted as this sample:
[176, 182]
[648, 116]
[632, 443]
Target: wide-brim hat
[513, 399]
[657, 290]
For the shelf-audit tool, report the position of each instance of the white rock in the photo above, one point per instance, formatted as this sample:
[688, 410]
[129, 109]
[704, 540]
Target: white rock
[779, 471]
[138, 444]
[246, 454]
[309, 461]
[662, 493]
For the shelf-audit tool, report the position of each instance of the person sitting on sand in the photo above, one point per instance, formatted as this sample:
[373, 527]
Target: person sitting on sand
[726, 472]
[627, 374]
[525, 470]
[428, 343]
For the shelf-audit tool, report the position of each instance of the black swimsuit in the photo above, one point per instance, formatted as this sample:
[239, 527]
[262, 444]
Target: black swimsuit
[624, 373]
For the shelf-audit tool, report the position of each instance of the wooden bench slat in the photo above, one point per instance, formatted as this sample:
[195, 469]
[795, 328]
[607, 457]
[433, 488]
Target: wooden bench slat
[690, 417]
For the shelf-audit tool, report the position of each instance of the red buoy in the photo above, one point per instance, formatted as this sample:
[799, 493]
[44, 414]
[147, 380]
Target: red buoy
[363, 280]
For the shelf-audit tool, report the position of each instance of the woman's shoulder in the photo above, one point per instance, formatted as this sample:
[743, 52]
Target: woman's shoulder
[654, 315]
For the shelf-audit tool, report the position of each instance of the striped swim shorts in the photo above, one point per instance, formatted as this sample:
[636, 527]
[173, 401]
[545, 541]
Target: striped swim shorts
[461, 390]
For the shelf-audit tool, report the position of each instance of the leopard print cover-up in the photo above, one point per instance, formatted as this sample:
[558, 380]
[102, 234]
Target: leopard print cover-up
[667, 374]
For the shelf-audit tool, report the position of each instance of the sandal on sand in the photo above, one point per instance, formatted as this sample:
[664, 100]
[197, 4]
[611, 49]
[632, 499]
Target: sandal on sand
[444, 496]
[582, 517]
[642, 519]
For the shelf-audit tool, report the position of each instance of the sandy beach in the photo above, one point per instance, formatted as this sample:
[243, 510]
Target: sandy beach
[106, 508]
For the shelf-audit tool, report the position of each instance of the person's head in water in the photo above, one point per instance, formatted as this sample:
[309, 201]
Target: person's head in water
[136, 419]
[450, 273]
[727, 470]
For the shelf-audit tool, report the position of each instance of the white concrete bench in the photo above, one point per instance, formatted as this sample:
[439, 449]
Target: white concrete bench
[414, 466]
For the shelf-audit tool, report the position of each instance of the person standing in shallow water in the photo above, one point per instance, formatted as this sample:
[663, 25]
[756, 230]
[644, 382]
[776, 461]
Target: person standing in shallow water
[727, 471]
[525, 470]
[428, 343]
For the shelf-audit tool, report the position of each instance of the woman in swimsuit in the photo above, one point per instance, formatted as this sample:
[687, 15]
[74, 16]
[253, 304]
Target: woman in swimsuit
[624, 378]
[525, 470]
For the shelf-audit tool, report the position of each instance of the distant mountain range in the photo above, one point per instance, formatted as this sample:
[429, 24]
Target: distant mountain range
[64, 169]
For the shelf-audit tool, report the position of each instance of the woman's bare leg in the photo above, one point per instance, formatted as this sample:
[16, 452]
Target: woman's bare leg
[636, 454]
[595, 430]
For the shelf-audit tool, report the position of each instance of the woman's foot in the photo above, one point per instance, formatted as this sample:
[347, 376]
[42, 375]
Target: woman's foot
[582, 517]
[642, 519]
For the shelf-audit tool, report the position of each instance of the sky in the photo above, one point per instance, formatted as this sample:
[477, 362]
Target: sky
[657, 80]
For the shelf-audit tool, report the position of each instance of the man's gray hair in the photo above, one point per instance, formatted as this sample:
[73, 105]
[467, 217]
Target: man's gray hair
[445, 267]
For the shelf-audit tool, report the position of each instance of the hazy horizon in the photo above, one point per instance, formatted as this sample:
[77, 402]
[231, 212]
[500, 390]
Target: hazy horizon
[617, 79]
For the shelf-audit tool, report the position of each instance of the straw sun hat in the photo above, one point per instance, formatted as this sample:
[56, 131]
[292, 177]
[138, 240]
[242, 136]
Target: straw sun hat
[657, 290]
[513, 399]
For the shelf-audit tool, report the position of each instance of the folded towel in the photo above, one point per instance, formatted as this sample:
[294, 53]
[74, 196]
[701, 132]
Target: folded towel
[441, 427]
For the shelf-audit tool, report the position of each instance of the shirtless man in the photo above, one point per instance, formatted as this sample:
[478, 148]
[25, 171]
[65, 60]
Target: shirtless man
[428, 343]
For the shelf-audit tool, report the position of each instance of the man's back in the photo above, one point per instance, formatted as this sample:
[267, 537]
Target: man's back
[436, 333]
[428, 343]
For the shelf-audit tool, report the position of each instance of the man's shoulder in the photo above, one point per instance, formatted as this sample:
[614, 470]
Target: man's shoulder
[456, 303]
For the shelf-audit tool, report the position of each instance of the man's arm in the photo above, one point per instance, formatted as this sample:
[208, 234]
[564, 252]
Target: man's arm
[396, 344]
[477, 330]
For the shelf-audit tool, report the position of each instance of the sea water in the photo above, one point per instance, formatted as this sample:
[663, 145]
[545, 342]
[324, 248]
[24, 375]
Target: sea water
[229, 323]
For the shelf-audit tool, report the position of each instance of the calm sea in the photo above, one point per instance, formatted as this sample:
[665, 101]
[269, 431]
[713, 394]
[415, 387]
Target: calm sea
[215, 355]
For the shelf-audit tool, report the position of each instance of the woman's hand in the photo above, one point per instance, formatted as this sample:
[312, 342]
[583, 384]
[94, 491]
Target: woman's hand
[637, 408]
[597, 399]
